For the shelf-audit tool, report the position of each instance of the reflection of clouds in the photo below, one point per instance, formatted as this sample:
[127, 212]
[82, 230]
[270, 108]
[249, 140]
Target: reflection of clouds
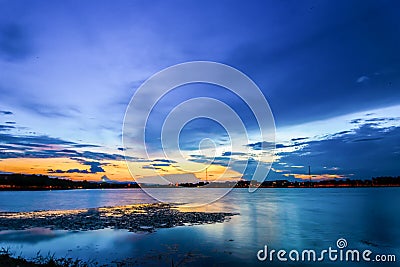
[30, 236]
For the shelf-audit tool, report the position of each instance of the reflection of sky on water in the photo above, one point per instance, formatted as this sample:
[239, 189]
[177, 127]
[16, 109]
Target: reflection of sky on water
[281, 218]
[30, 236]
[70, 199]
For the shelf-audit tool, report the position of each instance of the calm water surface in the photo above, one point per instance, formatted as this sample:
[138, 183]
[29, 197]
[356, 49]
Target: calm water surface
[368, 218]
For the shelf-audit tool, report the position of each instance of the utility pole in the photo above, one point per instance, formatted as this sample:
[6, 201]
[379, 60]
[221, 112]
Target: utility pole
[309, 173]
[206, 175]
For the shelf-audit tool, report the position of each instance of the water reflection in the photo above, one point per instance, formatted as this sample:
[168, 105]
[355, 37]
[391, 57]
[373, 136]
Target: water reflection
[32, 236]
[282, 218]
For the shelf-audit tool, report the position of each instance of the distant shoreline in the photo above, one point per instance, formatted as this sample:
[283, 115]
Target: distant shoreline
[191, 188]
[23, 182]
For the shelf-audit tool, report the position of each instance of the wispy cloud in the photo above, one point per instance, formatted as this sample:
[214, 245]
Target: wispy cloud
[362, 79]
[6, 127]
[42, 146]
[349, 153]
[5, 112]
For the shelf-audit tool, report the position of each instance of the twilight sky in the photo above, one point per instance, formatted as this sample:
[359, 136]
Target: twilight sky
[330, 71]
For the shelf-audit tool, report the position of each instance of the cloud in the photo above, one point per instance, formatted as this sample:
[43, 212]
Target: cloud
[58, 171]
[304, 72]
[362, 79]
[307, 72]
[261, 145]
[84, 145]
[158, 164]
[161, 164]
[164, 160]
[356, 121]
[32, 139]
[228, 153]
[367, 151]
[15, 43]
[49, 110]
[6, 127]
[299, 139]
[95, 167]
[376, 120]
[150, 167]
[344, 154]
[43, 146]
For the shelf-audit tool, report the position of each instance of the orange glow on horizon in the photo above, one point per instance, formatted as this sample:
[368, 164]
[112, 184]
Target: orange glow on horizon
[116, 170]
[315, 176]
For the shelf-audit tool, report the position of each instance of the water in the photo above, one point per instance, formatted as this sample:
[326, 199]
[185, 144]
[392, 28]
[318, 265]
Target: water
[298, 218]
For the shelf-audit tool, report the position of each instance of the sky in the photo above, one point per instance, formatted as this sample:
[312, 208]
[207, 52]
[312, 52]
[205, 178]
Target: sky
[330, 71]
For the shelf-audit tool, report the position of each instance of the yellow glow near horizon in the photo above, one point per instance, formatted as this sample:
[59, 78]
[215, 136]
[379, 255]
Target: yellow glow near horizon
[114, 169]
[316, 176]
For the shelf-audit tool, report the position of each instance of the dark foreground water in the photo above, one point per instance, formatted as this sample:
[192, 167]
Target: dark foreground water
[289, 219]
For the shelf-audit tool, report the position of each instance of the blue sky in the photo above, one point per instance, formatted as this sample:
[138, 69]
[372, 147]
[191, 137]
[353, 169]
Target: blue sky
[330, 71]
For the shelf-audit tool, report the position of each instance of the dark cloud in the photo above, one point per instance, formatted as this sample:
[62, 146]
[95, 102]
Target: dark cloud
[149, 167]
[165, 160]
[307, 67]
[342, 132]
[20, 144]
[15, 43]
[262, 145]
[102, 156]
[95, 167]
[299, 139]
[158, 164]
[381, 119]
[375, 121]
[356, 121]
[5, 112]
[228, 153]
[67, 171]
[6, 127]
[367, 139]
[84, 145]
[367, 151]
[161, 164]
[41, 146]
[32, 139]
[37, 140]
